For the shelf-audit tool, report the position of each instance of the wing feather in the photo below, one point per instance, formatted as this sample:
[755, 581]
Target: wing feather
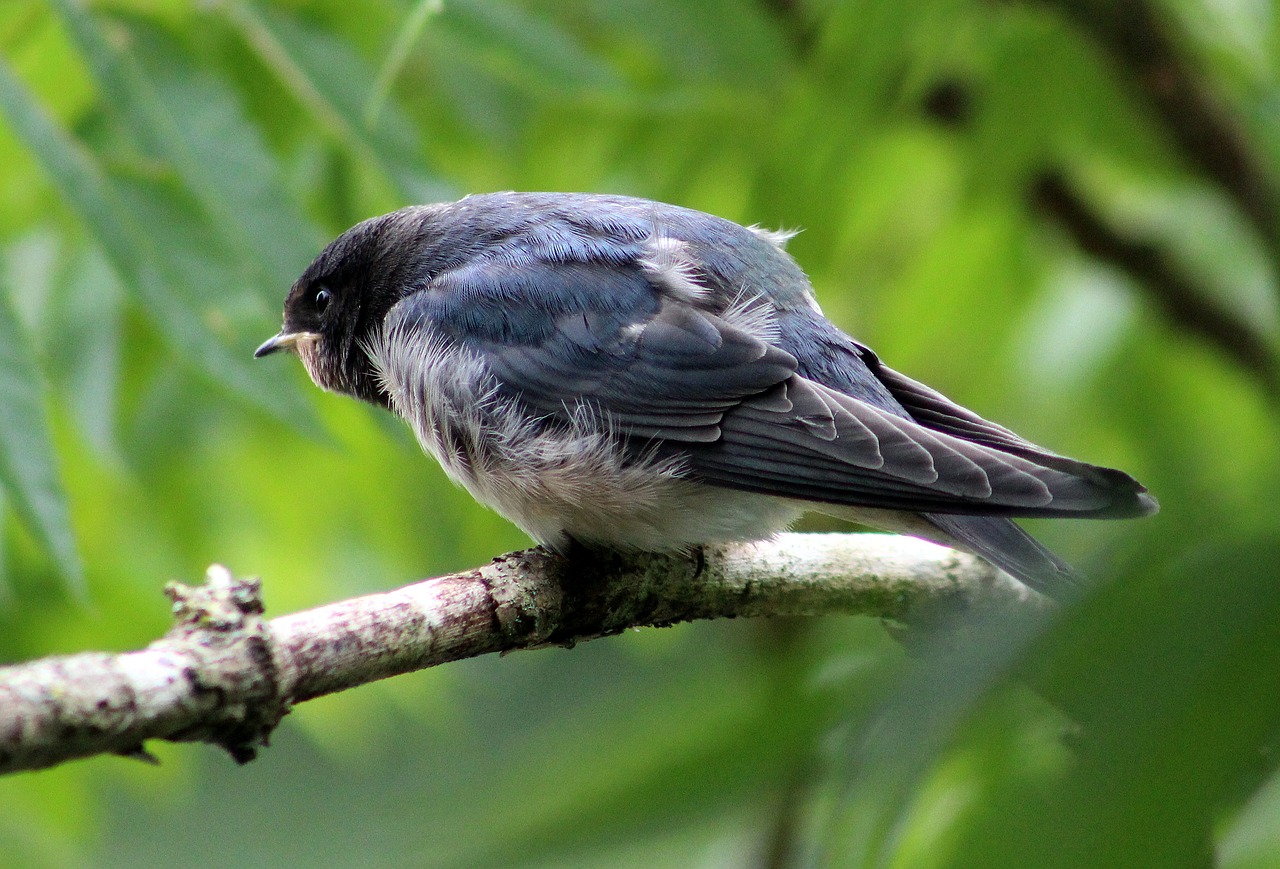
[667, 372]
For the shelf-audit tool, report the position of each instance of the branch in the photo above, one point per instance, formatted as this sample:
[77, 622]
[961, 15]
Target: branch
[1187, 306]
[1211, 139]
[227, 676]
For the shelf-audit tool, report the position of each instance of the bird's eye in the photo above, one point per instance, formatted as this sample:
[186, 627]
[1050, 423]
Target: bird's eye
[322, 299]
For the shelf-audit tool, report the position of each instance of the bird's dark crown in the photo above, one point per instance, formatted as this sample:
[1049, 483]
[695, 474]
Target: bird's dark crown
[344, 295]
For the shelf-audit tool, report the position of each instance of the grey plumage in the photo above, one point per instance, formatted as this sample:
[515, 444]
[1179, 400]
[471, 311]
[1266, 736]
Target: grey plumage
[626, 373]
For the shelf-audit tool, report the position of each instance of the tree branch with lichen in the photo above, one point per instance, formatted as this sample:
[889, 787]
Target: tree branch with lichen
[227, 676]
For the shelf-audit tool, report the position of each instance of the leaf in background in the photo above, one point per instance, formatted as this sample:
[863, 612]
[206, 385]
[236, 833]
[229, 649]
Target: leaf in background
[1169, 677]
[878, 779]
[28, 470]
[334, 83]
[83, 346]
[529, 47]
[706, 738]
[497, 65]
[159, 288]
[1172, 677]
[394, 62]
[195, 123]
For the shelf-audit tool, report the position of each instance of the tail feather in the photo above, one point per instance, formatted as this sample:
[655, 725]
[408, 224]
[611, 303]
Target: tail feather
[1006, 545]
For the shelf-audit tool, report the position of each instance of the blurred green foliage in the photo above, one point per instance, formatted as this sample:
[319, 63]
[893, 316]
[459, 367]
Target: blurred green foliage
[168, 166]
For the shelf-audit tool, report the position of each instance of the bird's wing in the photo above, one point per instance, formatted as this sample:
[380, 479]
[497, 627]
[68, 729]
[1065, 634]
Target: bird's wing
[807, 440]
[935, 411]
[665, 372]
[570, 334]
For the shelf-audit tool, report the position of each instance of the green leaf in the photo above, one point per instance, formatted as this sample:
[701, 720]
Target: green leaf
[158, 285]
[878, 778]
[394, 62]
[1172, 678]
[194, 122]
[534, 50]
[28, 470]
[1168, 679]
[333, 83]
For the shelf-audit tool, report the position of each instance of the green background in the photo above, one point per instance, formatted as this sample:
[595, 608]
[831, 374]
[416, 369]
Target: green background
[167, 168]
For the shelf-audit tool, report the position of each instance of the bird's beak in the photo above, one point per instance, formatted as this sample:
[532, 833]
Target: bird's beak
[282, 341]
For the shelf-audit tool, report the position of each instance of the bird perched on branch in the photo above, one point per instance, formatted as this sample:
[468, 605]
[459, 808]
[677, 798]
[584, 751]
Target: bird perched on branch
[623, 373]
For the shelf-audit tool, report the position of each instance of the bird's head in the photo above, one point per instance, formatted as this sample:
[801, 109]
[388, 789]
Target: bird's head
[342, 298]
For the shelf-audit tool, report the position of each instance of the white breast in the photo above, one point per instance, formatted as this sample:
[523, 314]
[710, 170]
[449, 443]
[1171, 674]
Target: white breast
[556, 479]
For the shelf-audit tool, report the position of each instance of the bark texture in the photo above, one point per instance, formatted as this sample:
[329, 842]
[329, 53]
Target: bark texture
[226, 675]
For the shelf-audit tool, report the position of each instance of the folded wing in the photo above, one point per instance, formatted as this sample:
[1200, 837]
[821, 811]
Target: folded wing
[667, 373]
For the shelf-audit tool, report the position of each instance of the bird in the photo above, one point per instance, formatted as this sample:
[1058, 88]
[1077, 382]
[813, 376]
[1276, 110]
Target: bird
[613, 372]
